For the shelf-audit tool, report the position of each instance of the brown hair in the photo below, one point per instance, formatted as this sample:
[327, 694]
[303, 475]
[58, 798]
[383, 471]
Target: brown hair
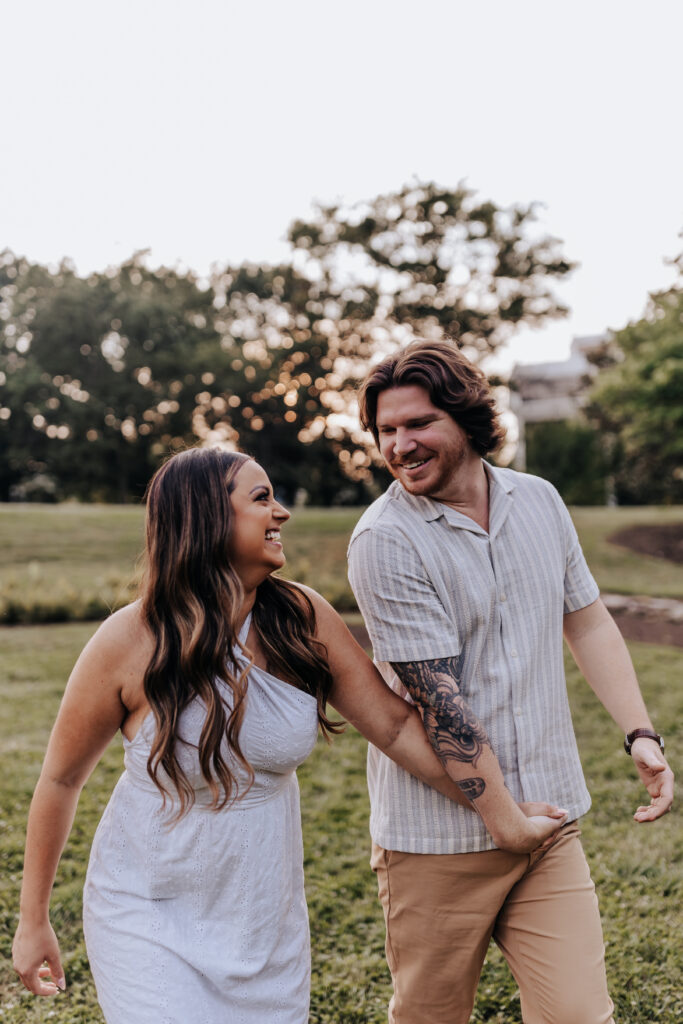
[453, 383]
[191, 602]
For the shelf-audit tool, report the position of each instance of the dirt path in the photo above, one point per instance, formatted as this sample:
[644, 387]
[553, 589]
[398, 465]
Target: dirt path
[658, 541]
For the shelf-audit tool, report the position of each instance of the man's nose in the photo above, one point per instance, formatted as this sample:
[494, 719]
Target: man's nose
[404, 442]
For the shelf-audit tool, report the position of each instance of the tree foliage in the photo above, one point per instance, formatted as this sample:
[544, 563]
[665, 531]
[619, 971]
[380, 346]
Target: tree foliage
[638, 404]
[99, 374]
[433, 262]
[571, 456]
[102, 376]
[289, 405]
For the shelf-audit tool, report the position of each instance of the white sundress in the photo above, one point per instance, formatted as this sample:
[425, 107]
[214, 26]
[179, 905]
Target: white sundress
[205, 921]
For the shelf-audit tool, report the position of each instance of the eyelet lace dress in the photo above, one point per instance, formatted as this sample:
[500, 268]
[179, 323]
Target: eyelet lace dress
[204, 921]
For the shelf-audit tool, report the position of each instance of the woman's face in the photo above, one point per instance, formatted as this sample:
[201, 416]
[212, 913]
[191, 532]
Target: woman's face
[254, 545]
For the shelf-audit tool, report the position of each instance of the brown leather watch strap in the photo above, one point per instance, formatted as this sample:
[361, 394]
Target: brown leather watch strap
[649, 734]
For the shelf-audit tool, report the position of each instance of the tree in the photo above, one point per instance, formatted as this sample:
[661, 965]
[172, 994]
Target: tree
[99, 375]
[428, 261]
[424, 261]
[569, 455]
[638, 404]
[277, 387]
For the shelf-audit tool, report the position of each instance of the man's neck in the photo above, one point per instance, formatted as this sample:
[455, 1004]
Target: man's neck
[468, 492]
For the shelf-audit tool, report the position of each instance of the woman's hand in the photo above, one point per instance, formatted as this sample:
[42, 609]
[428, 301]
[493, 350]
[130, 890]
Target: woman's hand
[33, 947]
[532, 832]
[532, 808]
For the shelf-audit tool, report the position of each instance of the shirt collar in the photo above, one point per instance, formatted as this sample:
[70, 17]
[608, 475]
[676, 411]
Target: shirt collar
[501, 484]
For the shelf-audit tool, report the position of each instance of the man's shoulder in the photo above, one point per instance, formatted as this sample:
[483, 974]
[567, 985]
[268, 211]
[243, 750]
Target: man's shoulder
[388, 513]
[526, 485]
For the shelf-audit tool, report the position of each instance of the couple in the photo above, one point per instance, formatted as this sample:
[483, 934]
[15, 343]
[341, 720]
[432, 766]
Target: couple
[219, 678]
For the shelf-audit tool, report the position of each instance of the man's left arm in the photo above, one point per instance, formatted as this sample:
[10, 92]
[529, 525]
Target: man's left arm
[602, 656]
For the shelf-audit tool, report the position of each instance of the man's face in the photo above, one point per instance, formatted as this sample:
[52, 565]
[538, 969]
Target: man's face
[423, 447]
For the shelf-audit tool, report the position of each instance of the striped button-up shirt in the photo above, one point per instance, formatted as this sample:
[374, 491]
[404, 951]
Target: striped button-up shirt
[432, 583]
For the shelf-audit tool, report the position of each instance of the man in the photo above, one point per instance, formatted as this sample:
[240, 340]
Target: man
[467, 576]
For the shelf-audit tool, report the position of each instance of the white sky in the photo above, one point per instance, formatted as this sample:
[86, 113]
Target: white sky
[200, 129]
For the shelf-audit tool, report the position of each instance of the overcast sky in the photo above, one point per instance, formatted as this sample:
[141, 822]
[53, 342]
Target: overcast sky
[200, 129]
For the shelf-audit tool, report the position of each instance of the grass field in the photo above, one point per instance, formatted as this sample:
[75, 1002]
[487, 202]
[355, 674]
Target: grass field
[637, 868]
[77, 560]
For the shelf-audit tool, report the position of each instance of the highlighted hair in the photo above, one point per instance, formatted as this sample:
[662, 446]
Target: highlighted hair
[192, 601]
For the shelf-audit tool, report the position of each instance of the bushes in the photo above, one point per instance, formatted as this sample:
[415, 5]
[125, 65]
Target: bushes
[570, 456]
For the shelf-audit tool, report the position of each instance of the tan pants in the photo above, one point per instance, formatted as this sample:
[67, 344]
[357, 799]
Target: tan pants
[441, 911]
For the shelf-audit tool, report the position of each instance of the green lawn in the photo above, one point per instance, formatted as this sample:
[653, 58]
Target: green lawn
[63, 562]
[72, 561]
[617, 570]
[637, 868]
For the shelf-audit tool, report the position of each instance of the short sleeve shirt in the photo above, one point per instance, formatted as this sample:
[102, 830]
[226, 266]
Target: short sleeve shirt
[431, 583]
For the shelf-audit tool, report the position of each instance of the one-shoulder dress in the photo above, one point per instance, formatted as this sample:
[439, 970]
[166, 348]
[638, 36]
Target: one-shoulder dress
[205, 920]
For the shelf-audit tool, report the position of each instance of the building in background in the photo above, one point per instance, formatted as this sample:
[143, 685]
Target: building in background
[554, 439]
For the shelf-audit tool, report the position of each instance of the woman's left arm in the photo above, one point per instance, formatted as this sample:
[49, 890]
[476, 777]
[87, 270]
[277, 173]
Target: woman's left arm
[361, 696]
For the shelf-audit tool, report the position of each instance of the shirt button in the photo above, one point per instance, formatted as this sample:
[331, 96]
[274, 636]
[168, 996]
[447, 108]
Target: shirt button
[503, 597]
[513, 652]
[517, 711]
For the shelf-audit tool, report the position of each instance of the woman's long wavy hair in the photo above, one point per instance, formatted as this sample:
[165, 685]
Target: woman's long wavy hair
[191, 601]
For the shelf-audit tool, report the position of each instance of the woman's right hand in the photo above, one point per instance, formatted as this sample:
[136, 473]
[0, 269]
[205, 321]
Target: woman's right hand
[31, 949]
[530, 832]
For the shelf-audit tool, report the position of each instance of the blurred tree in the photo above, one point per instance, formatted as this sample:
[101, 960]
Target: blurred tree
[432, 262]
[570, 455]
[638, 404]
[279, 388]
[424, 261]
[99, 376]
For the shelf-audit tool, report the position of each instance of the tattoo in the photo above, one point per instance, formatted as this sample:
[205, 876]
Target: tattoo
[472, 788]
[454, 730]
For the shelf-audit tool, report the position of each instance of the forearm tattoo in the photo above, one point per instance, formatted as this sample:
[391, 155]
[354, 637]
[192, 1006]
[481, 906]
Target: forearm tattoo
[455, 732]
[471, 788]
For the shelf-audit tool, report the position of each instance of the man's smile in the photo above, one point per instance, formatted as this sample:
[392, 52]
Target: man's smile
[413, 465]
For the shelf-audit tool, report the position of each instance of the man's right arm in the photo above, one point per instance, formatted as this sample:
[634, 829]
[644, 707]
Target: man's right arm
[464, 748]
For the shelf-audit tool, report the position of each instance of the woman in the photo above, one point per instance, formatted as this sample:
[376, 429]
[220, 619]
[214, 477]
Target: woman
[218, 678]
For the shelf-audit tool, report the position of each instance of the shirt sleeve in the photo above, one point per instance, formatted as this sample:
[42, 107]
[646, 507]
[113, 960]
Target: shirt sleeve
[403, 614]
[580, 588]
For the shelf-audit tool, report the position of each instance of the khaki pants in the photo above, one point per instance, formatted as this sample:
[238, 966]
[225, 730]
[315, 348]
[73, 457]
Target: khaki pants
[441, 911]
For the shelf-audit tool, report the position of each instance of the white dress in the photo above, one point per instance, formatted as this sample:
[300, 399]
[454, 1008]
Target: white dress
[205, 921]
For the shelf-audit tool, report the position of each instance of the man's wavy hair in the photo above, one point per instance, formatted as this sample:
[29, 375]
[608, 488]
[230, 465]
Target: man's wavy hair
[452, 382]
[192, 601]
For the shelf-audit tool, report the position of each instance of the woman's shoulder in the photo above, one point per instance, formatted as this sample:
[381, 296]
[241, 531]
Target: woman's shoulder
[316, 599]
[124, 636]
[326, 617]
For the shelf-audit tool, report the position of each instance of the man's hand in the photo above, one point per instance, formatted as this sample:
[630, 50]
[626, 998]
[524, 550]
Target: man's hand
[657, 778]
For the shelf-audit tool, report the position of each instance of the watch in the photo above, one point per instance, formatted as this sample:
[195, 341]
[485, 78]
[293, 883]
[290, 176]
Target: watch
[646, 734]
